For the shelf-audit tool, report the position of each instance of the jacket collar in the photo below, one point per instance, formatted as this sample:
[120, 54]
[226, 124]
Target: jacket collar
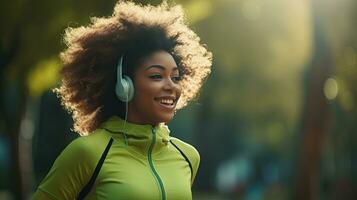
[137, 136]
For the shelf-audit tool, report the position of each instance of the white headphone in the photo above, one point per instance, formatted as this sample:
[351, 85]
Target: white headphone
[124, 87]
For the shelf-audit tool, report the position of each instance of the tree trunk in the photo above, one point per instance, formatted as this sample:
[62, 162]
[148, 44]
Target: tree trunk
[315, 115]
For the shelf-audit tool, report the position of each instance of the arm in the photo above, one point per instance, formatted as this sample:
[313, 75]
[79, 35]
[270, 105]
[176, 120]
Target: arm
[69, 173]
[189, 152]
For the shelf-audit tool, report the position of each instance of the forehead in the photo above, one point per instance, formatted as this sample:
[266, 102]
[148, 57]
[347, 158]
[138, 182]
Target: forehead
[161, 58]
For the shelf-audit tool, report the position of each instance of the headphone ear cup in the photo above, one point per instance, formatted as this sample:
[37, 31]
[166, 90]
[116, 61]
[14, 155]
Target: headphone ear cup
[124, 89]
[130, 88]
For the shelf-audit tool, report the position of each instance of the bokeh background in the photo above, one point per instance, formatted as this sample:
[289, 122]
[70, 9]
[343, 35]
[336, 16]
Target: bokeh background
[277, 118]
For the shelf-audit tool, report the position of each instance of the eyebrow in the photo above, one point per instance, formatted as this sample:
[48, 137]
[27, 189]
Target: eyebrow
[160, 67]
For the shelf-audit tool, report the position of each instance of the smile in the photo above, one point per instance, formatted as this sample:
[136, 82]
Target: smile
[167, 102]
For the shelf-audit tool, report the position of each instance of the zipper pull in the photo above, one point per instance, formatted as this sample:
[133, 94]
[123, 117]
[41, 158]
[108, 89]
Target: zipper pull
[153, 130]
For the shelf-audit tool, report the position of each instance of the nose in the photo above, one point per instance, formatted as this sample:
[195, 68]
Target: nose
[170, 85]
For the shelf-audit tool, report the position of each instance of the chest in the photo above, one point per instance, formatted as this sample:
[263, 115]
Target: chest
[123, 175]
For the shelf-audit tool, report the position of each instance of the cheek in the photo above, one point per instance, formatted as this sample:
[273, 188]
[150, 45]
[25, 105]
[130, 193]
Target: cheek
[178, 91]
[145, 92]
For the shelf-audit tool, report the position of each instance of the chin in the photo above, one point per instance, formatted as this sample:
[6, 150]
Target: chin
[166, 118]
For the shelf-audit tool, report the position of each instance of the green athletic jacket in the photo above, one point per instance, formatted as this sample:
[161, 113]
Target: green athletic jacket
[144, 163]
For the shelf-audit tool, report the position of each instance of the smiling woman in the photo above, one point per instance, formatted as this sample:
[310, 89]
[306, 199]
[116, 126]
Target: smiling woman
[124, 76]
[156, 82]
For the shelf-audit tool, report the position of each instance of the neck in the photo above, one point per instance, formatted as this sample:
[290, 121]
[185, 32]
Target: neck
[134, 118]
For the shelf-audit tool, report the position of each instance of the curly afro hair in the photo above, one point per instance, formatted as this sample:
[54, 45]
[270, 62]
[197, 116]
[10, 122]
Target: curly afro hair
[136, 31]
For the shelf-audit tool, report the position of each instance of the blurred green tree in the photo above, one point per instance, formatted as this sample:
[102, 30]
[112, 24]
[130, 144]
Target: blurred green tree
[30, 42]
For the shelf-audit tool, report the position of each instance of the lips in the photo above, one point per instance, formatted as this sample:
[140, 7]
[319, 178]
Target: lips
[167, 102]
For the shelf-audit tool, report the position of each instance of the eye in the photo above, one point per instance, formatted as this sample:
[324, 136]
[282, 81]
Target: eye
[176, 79]
[155, 76]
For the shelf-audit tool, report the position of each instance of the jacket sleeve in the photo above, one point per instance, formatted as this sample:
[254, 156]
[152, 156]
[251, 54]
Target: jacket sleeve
[192, 155]
[195, 162]
[69, 173]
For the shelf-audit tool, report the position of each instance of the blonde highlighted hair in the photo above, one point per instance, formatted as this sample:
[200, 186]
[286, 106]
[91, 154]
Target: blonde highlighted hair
[89, 71]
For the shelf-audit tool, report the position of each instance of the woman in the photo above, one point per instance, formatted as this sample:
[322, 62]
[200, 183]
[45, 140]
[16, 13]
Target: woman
[124, 76]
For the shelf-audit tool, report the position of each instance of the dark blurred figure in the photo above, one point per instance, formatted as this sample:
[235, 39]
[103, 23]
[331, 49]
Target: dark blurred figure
[52, 132]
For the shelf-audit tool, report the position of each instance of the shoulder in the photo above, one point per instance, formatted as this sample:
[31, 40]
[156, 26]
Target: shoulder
[86, 148]
[81, 155]
[190, 152]
[187, 148]
[73, 167]
[91, 142]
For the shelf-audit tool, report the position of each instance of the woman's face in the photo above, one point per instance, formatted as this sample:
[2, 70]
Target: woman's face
[156, 90]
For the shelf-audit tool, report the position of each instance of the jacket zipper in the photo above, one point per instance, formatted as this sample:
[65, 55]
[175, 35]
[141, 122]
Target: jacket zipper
[157, 177]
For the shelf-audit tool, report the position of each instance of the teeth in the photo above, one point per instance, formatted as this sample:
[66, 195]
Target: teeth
[167, 101]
